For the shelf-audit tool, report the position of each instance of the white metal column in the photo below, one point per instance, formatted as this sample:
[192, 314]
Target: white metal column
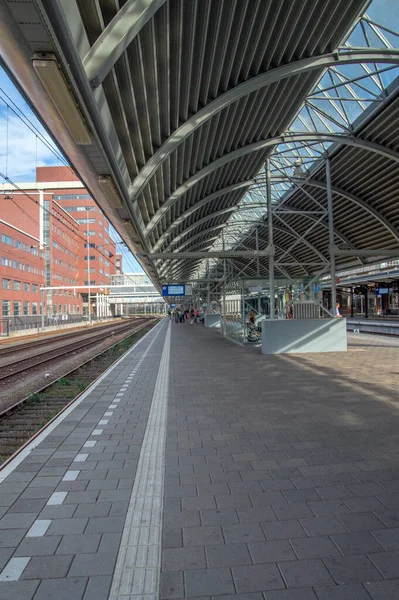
[270, 231]
[331, 238]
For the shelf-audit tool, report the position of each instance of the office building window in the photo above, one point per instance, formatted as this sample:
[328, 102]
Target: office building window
[92, 257]
[6, 284]
[17, 285]
[89, 233]
[34, 287]
[26, 287]
[6, 308]
[34, 308]
[26, 308]
[17, 308]
[4, 261]
[85, 221]
[92, 282]
[6, 239]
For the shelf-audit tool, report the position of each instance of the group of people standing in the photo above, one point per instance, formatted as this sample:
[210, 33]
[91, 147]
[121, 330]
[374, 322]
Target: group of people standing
[182, 315]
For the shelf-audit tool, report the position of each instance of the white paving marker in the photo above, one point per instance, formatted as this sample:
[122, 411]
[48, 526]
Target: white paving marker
[137, 571]
[103, 422]
[97, 431]
[112, 406]
[39, 528]
[90, 444]
[70, 476]
[14, 568]
[56, 498]
[109, 413]
[80, 457]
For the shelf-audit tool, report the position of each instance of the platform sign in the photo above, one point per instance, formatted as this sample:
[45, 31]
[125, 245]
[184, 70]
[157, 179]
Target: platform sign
[173, 290]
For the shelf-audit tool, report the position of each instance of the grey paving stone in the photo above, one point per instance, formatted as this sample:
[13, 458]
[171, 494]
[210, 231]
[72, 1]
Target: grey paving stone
[101, 509]
[27, 505]
[172, 538]
[299, 510]
[5, 555]
[388, 538]
[172, 586]
[98, 587]
[239, 500]
[62, 589]
[362, 522]
[275, 485]
[227, 516]
[352, 591]
[93, 564]
[370, 503]
[67, 526]
[40, 546]
[199, 503]
[10, 538]
[7, 499]
[204, 582]
[352, 569]
[18, 590]
[305, 573]
[47, 567]
[17, 521]
[105, 525]
[189, 518]
[334, 492]
[390, 518]
[299, 594]
[283, 530]
[58, 512]
[243, 533]
[387, 563]
[79, 544]
[383, 590]
[314, 481]
[39, 492]
[323, 525]
[361, 542]
[302, 495]
[274, 551]
[256, 514]
[202, 536]
[227, 556]
[177, 559]
[257, 578]
[314, 547]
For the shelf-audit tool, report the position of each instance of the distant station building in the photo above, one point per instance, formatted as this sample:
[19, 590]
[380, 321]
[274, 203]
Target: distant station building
[53, 234]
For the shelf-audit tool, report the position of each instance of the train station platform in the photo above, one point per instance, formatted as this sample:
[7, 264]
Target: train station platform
[195, 468]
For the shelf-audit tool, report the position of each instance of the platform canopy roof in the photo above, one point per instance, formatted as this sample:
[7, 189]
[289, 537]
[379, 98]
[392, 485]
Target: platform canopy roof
[177, 115]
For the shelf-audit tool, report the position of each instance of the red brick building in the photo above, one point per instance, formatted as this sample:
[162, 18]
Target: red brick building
[53, 235]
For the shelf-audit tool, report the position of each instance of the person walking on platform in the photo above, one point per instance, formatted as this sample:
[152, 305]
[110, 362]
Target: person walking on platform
[177, 315]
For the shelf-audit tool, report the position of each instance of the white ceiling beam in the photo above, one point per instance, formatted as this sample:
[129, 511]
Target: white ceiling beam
[116, 37]
[316, 63]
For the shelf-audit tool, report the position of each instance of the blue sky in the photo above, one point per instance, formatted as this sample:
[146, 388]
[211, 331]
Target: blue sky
[25, 145]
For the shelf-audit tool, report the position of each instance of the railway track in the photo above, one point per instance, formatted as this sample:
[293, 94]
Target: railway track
[22, 421]
[19, 366]
[56, 339]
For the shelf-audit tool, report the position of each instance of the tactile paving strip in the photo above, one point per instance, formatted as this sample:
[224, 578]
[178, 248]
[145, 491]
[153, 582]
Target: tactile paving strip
[137, 572]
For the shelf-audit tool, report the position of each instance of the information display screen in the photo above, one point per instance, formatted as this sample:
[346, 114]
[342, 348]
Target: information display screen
[173, 290]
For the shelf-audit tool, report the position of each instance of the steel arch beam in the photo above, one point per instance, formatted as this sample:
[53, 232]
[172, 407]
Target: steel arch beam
[197, 206]
[214, 215]
[277, 246]
[224, 225]
[340, 192]
[256, 83]
[262, 145]
[116, 37]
